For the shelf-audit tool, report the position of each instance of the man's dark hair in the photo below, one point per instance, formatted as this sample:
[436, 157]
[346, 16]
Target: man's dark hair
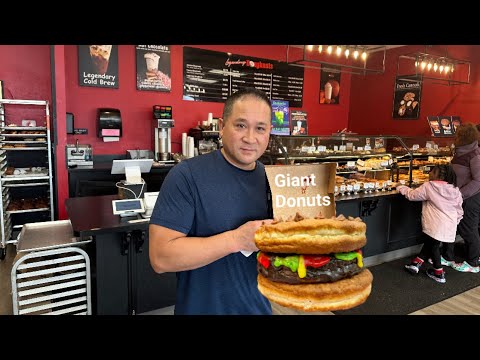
[240, 94]
[445, 172]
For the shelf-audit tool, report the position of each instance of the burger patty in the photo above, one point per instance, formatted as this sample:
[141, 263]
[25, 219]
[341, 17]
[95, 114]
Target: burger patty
[334, 270]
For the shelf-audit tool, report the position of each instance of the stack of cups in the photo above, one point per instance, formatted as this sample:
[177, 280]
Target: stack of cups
[184, 144]
[191, 147]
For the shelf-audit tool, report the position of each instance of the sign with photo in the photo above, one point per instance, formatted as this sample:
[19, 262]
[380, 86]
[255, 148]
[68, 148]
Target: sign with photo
[406, 98]
[153, 67]
[280, 117]
[443, 125]
[298, 120]
[330, 85]
[98, 65]
[307, 189]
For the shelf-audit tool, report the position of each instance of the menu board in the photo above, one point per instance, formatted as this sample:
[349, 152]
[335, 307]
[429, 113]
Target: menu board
[213, 76]
[443, 125]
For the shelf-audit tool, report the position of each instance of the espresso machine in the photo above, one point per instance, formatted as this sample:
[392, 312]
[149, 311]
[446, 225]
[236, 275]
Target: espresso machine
[163, 132]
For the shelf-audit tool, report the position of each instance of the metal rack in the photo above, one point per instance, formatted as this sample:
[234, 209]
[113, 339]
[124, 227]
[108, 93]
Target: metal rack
[18, 146]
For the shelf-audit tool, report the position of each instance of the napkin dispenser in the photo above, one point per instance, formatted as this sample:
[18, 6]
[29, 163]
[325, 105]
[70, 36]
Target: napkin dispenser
[109, 123]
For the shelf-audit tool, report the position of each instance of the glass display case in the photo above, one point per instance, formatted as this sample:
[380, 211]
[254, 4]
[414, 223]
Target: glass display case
[413, 166]
[367, 162]
[363, 162]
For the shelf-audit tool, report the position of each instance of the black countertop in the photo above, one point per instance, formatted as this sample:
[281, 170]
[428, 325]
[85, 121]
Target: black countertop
[93, 215]
[107, 166]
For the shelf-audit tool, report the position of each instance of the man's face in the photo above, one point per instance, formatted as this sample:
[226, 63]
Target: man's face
[246, 132]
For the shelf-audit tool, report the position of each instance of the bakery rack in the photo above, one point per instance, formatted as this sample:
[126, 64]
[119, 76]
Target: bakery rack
[26, 173]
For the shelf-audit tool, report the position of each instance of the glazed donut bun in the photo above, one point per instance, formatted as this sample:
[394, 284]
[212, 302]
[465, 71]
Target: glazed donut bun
[313, 264]
[312, 236]
[341, 295]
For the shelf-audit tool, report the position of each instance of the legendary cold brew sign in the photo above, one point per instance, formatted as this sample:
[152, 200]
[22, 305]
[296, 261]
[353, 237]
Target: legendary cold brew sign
[306, 189]
[98, 65]
[213, 76]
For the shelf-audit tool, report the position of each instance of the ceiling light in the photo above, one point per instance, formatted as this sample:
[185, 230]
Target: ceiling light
[339, 62]
[415, 66]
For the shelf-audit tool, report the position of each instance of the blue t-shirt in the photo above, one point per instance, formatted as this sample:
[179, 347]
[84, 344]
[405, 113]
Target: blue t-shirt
[204, 196]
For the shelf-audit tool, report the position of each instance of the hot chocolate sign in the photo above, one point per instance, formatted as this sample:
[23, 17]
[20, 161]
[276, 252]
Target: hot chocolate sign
[306, 189]
[153, 67]
[98, 65]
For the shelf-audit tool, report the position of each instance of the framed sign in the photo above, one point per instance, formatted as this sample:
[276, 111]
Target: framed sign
[298, 122]
[406, 98]
[153, 67]
[307, 189]
[330, 85]
[443, 125]
[98, 65]
[280, 117]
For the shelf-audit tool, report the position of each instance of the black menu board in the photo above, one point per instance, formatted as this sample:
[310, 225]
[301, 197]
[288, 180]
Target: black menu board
[213, 76]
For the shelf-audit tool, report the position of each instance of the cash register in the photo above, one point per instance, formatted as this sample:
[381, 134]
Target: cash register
[134, 207]
[134, 200]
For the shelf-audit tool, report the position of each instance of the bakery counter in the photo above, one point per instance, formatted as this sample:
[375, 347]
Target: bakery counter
[362, 195]
[123, 282]
[97, 179]
[393, 223]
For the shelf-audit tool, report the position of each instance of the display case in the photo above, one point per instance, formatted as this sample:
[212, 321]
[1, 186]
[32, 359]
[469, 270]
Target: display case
[379, 161]
[363, 162]
[412, 166]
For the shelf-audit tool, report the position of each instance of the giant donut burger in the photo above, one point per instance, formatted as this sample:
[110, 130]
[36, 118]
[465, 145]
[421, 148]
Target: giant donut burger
[313, 264]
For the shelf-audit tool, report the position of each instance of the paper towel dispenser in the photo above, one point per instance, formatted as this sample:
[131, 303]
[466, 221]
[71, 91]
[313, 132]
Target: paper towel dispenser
[109, 123]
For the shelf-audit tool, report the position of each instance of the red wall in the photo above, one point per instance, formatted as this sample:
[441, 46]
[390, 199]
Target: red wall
[136, 106]
[372, 96]
[25, 71]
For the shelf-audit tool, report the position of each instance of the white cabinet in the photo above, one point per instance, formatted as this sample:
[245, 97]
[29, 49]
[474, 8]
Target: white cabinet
[26, 186]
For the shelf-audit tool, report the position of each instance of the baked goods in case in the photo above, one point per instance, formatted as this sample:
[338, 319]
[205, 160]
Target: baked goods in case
[313, 264]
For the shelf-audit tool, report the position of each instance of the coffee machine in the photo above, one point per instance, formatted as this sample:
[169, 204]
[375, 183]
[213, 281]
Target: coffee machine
[163, 132]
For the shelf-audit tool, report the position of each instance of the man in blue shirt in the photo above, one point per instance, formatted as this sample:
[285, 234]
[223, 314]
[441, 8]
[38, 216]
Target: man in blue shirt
[208, 210]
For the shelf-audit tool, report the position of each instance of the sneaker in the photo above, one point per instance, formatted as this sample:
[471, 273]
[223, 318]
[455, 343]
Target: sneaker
[413, 268]
[465, 267]
[443, 261]
[438, 278]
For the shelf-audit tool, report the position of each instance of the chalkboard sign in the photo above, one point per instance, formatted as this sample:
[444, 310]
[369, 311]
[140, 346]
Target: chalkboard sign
[213, 76]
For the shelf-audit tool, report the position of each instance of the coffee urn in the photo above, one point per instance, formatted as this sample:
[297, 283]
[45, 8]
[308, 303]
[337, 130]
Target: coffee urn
[163, 132]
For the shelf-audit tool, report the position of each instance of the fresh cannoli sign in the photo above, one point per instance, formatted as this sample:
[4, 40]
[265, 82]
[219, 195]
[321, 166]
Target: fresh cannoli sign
[307, 189]
[406, 99]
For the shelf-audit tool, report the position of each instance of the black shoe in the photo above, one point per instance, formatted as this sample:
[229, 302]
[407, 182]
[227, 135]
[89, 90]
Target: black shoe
[438, 278]
[413, 268]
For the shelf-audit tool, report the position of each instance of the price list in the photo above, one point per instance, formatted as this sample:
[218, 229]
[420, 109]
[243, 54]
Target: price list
[213, 76]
